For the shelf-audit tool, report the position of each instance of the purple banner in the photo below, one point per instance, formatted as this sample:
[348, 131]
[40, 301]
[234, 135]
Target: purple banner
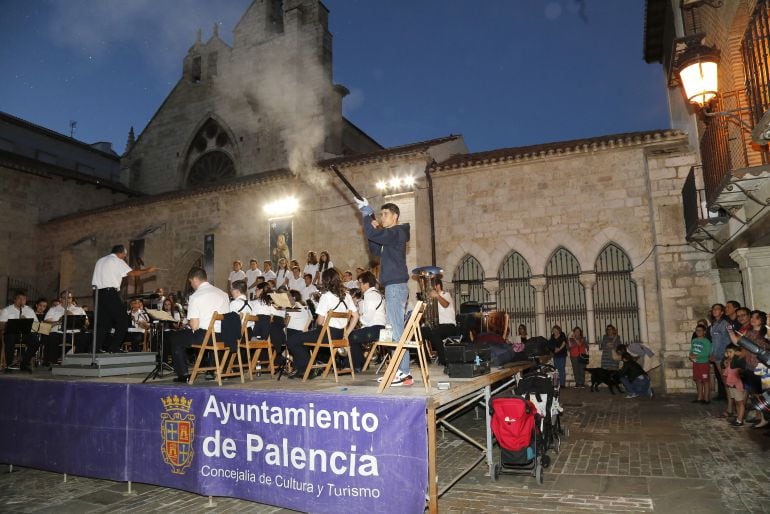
[64, 426]
[306, 451]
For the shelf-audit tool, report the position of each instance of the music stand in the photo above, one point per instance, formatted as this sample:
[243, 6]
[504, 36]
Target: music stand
[21, 327]
[162, 317]
[74, 323]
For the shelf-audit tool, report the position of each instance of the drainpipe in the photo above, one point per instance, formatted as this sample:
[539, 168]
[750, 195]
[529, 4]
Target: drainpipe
[431, 214]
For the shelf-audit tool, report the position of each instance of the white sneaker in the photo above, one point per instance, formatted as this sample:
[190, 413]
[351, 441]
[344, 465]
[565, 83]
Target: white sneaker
[399, 380]
[632, 395]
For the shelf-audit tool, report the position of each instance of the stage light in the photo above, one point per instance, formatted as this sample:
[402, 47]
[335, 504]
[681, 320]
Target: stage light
[409, 181]
[282, 206]
[382, 185]
[395, 182]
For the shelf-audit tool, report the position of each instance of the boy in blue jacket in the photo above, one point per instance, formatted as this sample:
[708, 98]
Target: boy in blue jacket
[387, 239]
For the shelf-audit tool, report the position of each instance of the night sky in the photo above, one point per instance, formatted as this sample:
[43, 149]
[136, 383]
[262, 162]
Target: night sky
[500, 72]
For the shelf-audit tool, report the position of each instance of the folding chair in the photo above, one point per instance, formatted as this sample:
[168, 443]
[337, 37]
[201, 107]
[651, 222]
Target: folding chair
[256, 346]
[411, 339]
[210, 344]
[332, 345]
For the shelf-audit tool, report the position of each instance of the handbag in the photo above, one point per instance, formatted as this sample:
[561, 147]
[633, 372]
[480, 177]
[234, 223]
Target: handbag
[583, 359]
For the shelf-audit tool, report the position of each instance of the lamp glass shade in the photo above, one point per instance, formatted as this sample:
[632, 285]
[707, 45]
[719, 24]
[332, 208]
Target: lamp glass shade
[699, 80]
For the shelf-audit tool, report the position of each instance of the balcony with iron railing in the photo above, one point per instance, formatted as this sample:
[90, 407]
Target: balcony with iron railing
[701, 224]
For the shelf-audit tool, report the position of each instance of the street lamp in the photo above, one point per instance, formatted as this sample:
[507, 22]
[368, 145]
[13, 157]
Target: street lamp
[698, 72]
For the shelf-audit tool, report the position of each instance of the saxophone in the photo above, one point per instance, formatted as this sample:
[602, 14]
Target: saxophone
[426, 277]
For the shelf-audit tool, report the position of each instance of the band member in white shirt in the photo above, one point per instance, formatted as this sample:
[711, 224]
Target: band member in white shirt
[267, 271]
[311, 267]
[447, 321]
[251, 278]
[203, 303]
[335, 299]
[18, 310]
[139, 323]
[112, 322]
[372, 316]
[348, 280]
[282, 274]
[235, 275]
[240, 303]
[55, 315]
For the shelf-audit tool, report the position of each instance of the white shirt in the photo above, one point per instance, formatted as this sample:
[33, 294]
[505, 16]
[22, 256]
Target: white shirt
[269, 275]
[243, 307]
[278, 313]
[310, 269]
[261, 308]
[298, 319]
[55, 314]
[296, 284]
[206, 300]
[137, 316]
[372, 308]
[109, 272]
[281, 276]
[308, 291]
[329, 302]
[252, 275]
[352, 284]
[12, 312]
[235, 276]
[446, 315]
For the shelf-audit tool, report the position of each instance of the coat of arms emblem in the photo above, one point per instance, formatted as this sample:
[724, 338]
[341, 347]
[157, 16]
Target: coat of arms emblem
[178, 429]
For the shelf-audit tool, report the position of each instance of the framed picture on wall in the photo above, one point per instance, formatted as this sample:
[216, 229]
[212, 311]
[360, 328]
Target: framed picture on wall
[280, 239]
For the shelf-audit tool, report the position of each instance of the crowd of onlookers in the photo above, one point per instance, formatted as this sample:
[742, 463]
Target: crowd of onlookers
[721, 353]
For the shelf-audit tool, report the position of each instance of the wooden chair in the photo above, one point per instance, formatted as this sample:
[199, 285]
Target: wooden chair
[333, 345]
[127, 345]
[210, 344]
[411, 339]
[254, 348]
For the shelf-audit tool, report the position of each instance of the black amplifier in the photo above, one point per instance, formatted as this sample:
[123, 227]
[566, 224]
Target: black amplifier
[466, 352]
[467, 369]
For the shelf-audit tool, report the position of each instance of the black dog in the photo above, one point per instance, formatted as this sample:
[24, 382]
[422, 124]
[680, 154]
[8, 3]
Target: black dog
[604, 376]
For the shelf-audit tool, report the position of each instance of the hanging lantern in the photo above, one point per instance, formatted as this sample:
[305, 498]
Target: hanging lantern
[698, 73]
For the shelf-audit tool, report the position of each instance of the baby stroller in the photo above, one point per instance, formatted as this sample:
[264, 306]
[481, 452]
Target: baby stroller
[541, 387]
[515, 423]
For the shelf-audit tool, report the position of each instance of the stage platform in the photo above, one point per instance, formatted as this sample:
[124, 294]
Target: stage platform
[395, 442]
[105, 364]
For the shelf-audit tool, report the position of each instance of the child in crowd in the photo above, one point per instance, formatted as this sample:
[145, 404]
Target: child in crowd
[700, 351]
[634, 378]
[736, 393]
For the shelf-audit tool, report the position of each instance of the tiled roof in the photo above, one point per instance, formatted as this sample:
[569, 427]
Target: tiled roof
[387, 153]
[558, 148]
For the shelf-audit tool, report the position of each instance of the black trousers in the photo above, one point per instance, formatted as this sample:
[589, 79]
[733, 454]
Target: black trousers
[362, 336]
[111, 321]
[437, 335]
[136, 339]
[31, 341]
[299, 351]
[721, 391]
[180, 341]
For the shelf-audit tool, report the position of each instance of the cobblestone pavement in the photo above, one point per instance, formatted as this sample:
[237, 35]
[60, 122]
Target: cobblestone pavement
[662, 455]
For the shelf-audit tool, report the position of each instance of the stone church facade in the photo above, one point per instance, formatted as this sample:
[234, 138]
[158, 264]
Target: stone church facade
[586, 232]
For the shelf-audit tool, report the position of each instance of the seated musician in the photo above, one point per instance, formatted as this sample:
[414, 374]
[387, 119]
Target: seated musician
[204, 302]
[348, 281]
[18, 310]
[447, 322]
[296, 282]
[372, 317]
[55, 315]
[240, 302]
[170, 307]
[41, 306]
[138, 323]
[297, 317]
[309, 289]
[335, 299]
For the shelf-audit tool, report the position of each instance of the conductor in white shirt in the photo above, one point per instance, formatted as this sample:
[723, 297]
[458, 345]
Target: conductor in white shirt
[111, 320]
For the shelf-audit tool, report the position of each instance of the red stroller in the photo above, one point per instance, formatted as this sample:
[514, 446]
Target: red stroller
[515, 425]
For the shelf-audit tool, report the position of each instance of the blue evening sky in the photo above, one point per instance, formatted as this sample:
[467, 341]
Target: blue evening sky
[501, 72]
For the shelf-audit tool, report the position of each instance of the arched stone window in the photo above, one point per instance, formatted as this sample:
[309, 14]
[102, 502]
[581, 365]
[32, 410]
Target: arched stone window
[615, 300]
[209, 156]
[516, 296]
[468, 282]
[565, 299]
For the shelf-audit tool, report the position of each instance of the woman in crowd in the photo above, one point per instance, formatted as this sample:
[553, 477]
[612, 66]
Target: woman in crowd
[282, 274]
[719, 341]
[757, 334]
[577, 347]
[609, 346]
[324, 263]
[334, 299]
[558, 347]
